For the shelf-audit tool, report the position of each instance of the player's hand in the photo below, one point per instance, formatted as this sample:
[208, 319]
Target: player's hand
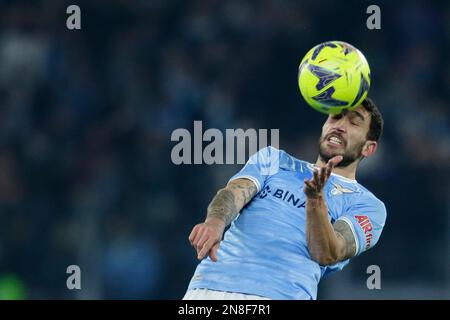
[205, 238]
[314, 187]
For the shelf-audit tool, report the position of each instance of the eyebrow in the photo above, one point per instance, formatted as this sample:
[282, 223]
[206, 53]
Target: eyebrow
[358, 114]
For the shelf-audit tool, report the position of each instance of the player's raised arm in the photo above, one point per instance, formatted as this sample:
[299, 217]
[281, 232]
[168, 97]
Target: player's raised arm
[327, 243]
[224, 207]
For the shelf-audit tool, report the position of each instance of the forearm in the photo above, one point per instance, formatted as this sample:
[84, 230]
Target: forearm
[229, 201]
[223, 207]
[323, 242]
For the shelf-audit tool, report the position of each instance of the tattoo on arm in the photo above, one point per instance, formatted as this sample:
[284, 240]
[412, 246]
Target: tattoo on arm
[344, 232]
[223, 206]
[230, 200]
[244, 190]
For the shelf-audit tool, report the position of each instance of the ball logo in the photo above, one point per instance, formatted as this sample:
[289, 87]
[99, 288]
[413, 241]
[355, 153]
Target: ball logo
[363, 88]
[326, 97]
[320, 47]
[325, 76]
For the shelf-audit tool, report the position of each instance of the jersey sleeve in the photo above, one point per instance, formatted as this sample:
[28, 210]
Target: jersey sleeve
[260, 166]
[366, 217]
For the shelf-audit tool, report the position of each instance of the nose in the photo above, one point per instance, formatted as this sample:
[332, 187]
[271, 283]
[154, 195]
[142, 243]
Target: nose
[339, 128]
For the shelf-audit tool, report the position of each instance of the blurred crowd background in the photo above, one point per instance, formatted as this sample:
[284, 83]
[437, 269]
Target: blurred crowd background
[86, 117]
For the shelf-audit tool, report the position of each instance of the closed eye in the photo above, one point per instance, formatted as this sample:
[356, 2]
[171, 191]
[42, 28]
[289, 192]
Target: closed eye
[355, 120]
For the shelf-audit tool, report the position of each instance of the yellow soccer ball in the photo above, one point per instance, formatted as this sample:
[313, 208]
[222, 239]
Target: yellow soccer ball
[334, 76]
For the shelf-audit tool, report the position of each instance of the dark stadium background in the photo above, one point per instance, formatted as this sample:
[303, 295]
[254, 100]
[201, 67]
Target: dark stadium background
[86, 117]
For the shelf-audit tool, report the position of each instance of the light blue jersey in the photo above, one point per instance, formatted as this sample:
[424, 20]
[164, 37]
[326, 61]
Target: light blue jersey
[265, 252]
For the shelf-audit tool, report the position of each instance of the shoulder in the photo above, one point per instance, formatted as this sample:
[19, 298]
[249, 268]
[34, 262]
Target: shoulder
[369, 196]
[284, 160]
[365, 199]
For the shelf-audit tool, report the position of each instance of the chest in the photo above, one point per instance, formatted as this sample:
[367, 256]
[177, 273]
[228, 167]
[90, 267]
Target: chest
[284, 190]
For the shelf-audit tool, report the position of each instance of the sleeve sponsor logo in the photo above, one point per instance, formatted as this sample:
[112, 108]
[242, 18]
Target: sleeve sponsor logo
[366, 226]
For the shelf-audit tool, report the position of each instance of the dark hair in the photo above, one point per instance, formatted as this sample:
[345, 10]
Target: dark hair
[376, 120]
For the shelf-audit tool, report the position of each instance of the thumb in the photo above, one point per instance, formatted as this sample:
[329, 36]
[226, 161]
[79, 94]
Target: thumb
[335, 160]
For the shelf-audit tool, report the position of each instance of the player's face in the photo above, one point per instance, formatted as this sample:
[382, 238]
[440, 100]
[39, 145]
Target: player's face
[346, 135]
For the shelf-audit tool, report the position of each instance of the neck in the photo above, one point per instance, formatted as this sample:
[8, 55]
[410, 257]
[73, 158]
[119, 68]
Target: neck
[347, 172]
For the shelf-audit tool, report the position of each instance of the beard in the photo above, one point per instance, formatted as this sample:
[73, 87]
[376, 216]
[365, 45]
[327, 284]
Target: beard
[349, 156]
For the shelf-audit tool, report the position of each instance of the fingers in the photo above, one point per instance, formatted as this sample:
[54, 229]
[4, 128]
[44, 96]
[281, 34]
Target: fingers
[330, 165]
[316, 176]
[213, 252]
[193, 233]
[310, 184]
[195, 236]
[205, 249]
[328, 169]
[203, 238]
[319, 177]
[200, 233]
[201, 241]
[323, 176]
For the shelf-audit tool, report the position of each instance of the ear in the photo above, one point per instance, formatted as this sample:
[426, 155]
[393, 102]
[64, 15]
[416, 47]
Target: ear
[370, 148]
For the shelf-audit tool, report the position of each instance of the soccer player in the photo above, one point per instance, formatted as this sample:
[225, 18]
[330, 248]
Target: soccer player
[298, 221]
